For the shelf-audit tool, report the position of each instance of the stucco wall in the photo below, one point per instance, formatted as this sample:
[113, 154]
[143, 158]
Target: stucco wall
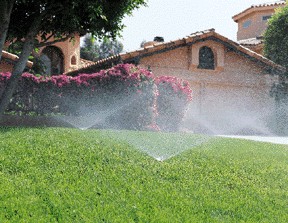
[258, 26]
[69, 49]
[225, 100]
[5, 67]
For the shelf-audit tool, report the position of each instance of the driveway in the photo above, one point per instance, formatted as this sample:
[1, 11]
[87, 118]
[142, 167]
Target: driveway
[271, 139]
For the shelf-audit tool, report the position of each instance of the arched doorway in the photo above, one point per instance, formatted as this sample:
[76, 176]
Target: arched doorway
[53, 59]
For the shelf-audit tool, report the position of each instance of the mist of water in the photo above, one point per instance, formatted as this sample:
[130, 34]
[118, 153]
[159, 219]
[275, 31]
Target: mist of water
[161, 146]
[227, 124]
[226, 113]
[95, 116]
[239, 118]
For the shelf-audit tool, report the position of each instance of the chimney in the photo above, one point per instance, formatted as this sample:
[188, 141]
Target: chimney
[157, 39]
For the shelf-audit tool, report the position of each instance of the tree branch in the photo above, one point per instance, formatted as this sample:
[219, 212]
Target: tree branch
[54, 41]
[49, 37]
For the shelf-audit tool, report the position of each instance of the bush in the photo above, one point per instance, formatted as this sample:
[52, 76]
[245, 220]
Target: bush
[124, 97]
[276, 37]
[173, 96]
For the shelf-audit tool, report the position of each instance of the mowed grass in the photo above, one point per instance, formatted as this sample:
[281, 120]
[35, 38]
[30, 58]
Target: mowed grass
[69, 175]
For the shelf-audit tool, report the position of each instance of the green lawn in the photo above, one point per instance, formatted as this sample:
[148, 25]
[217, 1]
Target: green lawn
[69, 175]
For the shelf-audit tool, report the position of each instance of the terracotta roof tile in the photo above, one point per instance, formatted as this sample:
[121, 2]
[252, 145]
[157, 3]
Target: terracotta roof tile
[197, 36]
[275, 3]
[14, 58]
[85, 63]
[251, 41]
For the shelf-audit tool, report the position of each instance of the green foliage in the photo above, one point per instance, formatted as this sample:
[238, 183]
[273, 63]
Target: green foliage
[276, 37]
[61, 18]
[90, 49]
[38, 66]
[68, 175]
[95, 50]
[110, 47]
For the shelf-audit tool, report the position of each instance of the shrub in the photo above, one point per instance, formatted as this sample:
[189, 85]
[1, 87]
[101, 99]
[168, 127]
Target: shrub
[124, 96]
[174, 94]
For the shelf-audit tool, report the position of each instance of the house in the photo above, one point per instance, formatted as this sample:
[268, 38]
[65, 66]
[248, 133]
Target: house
[8, 60]
[61, 57]
[231, 83]
[58, 58]
[252, 22]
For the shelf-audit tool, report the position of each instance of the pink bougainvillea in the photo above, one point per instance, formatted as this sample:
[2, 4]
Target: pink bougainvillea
[173, 96]
[151, 96]
[178, 85]
[4, 77]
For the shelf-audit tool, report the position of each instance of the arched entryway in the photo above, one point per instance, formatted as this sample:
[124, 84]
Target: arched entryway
[53, 59]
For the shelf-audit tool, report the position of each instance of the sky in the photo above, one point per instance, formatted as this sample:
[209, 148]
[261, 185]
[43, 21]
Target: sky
[176, 19]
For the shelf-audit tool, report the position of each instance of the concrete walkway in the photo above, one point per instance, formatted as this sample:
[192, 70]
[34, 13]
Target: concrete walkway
[271, 139]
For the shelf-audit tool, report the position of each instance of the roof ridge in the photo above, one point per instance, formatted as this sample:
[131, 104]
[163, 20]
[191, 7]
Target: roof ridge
[129, 56]
[280, 2]
[203, 31]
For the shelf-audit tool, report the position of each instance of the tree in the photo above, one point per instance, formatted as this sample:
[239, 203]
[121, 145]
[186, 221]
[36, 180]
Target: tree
[94, 50]
[5, 13]
[110, 47]
[38, 65]
[276, 49]
[90, 49]
[276, 37]
[57, 20]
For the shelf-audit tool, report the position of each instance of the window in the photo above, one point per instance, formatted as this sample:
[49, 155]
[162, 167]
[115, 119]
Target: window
[266, 17]
[246, 24]
[73, 60]
[206, 58]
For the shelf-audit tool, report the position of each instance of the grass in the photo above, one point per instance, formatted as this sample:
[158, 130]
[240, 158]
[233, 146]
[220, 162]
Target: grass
[68, 175]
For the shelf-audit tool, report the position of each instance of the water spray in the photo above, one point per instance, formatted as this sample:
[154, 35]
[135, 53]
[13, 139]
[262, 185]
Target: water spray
[89, 120]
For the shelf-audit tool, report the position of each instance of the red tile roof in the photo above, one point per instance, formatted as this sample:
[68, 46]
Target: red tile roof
[251, 41]
[13, 58]
[85, 63]
[159, 47]
[274, 3]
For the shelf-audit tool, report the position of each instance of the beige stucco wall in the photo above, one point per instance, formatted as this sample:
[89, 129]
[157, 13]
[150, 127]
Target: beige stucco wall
[5, 67]
[69, 49]
[237, 91]
[258, 26]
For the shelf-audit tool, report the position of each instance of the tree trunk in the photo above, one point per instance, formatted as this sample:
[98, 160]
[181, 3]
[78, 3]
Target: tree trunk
[16, 74]
[5, 13]
[19, 66]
